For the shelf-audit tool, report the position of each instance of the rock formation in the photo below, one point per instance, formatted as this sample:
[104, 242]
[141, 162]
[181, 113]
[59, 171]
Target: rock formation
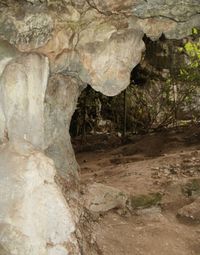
[49, 51]
[35, 218]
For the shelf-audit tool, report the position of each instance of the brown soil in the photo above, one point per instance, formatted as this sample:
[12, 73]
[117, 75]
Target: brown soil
[167, 163]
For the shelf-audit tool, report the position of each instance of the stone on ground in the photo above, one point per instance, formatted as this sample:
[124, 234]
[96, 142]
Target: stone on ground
[190, 212]
[102, 198]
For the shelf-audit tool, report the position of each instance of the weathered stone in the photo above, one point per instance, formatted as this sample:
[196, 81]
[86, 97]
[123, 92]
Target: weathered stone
[7, 53]
[34, 218]
[60, 103]
[104, 56]
[96, 44]
[107, 64]
[102, 198]
[176, 10]
[179, 10]
[191, 212]
[108, 7]
[32, 110]
[26, 114]
[31, 32]
[22, 91]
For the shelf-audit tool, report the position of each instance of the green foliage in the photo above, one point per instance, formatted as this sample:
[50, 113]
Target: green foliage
[195, 31]
[191, 49]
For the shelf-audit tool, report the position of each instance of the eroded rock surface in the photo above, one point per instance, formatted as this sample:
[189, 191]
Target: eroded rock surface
[34, 218]
[35, 114]
[191, 212]
[60, 103]
[98, 41]
[102, 198]
[22, 91]
[37, 110]
[49, 51]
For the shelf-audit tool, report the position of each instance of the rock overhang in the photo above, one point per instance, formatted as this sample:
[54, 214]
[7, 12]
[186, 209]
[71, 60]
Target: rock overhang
[99, 42]
[83, 41]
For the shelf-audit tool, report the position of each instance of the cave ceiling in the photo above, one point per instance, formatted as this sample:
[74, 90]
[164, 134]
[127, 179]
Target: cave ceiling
[99, 41]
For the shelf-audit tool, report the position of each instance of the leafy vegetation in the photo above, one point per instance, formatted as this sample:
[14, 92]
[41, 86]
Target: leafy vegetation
[192, 50]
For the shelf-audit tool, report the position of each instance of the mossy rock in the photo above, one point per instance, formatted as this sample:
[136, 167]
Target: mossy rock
[145, 201]
[191, 188]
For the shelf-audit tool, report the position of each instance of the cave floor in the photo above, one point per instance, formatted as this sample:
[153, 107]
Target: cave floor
[167, 163]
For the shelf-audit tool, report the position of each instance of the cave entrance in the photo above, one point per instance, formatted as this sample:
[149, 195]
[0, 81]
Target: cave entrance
[160, 96]
[126, 181]
[155, 98]
[98, 115]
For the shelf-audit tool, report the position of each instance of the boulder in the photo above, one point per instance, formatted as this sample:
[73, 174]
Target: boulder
[102, 198]
[191, 212]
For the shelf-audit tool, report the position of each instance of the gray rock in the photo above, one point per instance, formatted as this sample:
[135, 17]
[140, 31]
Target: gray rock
[59, 105]
[176, 10]
[102, 198]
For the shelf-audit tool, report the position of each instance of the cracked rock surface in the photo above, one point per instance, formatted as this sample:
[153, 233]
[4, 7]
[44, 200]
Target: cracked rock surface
[49, 51]
[98, 41]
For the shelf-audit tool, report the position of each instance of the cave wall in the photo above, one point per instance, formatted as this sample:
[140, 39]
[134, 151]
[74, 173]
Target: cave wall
[59, 105]
[49, 51]
[23, 84]
[34, 217]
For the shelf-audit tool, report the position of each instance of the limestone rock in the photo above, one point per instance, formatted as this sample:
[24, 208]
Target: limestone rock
[102, 198]
[34, 217]
[22, 91]
[60, 103]
[111, 6]
[95, 42]
[98, 41]
[100, 53]
[190, 212]
[179, 16]
[29, 30]
[107, 63]
[38, 111]
[7, 53]
[176, 10]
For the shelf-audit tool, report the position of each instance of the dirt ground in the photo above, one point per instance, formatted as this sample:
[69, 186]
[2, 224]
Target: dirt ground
[165, 163]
